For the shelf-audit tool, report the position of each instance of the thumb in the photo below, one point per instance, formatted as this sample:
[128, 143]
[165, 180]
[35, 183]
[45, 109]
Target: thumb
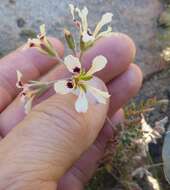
[48, 141]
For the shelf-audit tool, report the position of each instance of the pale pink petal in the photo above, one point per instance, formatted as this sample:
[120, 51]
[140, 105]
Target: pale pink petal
[72, 63]
[100, 96]
[61, 87]
[98, 64]
[19, 79]
[72, 10]
[87, 38]
[28, 105]
[83, 16]
[81, 104]
[106, 19]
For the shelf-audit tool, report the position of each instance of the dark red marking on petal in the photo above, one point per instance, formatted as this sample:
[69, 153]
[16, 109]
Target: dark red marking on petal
[31, 45]
[20, 83]
[76, 70]
[23, 94]
[70, 84]
[43, 46]
[89, 32]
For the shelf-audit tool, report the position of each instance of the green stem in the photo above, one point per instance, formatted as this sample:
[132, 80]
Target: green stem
[59, 59]
[154, 165]
[74, 52]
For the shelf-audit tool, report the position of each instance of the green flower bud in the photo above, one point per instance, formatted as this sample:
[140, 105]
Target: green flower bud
[69, 38]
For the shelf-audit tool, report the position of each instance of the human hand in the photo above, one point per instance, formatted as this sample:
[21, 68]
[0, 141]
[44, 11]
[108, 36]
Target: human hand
[54, 147]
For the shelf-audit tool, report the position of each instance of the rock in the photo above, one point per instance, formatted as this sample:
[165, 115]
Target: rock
[20, 22]
[136, 18]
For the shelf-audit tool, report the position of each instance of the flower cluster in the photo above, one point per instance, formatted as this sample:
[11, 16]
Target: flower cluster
[87, 37]
[30, 90]
[42, 43]
[79, 83]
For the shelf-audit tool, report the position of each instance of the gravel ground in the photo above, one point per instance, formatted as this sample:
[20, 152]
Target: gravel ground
[138, 19]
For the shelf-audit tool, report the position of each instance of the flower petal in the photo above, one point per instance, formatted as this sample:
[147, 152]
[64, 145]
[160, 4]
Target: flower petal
[101, 96]
[72, 9]
[19, 79]
[28, 105]
[98, 64]
[87, 38]
[105, 33]
[34, 42]
[83, 16]
[81, 104]
[106, 19]
[19, 75]
[61, 87]
[71, 63]
[42, 31]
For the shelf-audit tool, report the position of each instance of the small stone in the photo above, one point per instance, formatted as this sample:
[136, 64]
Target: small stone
[12, 1]
[20, 22]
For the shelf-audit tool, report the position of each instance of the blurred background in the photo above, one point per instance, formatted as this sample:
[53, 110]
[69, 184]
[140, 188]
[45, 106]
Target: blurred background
[20, 19]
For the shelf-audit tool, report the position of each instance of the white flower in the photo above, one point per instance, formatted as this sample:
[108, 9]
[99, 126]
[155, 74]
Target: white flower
[42, 44]
[166, 54]
[153, 182]
[79, 83]
[29, 91]
[85, 32]
[141, 172]
[149, 134]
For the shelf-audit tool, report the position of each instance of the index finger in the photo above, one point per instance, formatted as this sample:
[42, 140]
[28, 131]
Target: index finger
[30, 62]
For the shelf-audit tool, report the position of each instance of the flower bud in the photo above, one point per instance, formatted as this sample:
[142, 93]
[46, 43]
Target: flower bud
[69, 39]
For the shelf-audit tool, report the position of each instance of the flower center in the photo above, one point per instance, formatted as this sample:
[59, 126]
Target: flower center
[76, 70]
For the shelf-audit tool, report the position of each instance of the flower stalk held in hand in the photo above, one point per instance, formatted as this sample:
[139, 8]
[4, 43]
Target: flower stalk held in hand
[79, 83]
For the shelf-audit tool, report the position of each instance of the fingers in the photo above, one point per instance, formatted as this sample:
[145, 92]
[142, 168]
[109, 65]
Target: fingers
[83, 170]
[49, 140]
[30, 62]
[124, 87]
[121, 89]
[119, 50]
